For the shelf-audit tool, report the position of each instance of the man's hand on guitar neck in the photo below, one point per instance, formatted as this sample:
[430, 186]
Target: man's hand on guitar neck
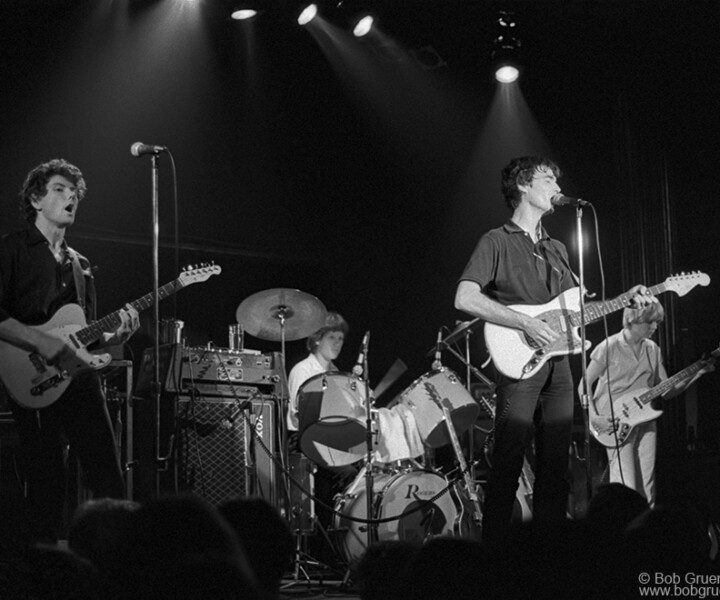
[129, 324]
[641, 296]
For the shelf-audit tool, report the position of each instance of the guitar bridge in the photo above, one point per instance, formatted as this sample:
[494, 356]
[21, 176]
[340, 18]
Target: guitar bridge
[51, 382]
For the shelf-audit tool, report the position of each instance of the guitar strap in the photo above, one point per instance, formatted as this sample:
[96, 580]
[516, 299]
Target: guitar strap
[78, 277]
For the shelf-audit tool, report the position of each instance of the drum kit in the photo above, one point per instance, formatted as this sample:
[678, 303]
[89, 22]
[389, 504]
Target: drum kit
[339, 425]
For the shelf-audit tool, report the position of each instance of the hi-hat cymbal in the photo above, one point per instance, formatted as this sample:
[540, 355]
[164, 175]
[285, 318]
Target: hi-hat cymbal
[266, 313]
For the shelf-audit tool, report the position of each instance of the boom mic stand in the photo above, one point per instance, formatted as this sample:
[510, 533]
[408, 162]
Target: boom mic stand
[362, 366]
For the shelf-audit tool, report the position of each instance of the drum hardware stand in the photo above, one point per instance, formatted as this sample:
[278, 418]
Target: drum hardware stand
[469, 482]
[465, 330]
[360, 370]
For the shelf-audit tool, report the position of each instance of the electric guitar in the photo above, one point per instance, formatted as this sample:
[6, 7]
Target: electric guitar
[518, 356]
[34, 383]
[635, 407]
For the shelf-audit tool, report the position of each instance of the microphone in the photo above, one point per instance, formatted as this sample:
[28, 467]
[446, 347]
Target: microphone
[561, 200]
[358, 368]
[139, 149]
[437, 363]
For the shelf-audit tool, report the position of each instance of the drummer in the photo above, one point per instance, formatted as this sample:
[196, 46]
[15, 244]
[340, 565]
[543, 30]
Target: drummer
[324, 346]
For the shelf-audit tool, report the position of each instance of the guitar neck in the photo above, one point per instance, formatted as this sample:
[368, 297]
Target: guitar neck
[597, 310]
[110, 322]
[671, 382]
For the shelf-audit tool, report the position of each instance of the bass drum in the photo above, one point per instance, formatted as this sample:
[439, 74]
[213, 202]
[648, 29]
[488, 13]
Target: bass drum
[395, 495]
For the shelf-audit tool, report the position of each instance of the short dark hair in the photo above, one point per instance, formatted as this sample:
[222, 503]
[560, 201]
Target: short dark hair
[520, 171]
[35, 185]
[333, 322]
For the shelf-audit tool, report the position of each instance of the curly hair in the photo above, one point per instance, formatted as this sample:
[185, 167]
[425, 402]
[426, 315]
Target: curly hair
[520, 171]
[35, 185]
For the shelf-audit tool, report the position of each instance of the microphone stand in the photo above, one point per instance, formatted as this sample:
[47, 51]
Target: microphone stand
[584, 397]
[156, 318]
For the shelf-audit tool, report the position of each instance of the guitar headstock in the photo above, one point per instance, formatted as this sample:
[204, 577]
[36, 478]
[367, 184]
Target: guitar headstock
[196, 274]
[681, 284]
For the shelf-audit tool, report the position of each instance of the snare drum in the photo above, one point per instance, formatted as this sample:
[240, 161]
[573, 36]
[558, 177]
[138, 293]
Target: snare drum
[394, 496]
[445, 385]
[331, 419]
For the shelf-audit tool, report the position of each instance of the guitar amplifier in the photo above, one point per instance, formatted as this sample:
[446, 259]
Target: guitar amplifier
[217, 372]
[224, 452]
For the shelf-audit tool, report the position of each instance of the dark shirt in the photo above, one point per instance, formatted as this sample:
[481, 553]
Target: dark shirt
[33, 285]
[511, 269]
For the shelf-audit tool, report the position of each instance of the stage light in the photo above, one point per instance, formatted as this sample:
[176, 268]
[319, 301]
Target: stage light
[363, 26]
[307, 14]
[242, 14]
[506, 48]
[507, 74]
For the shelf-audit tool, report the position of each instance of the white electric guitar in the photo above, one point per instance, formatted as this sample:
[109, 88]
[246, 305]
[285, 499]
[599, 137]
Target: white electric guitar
[34, 384]
[517, 356]
[636, 407]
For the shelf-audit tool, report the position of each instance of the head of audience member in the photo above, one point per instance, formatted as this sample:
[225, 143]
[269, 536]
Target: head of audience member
[538, 559]
[47, 572]
[380, 572]
[446, 567]
[198, 576]
[327, 342]
[668, 538]
[266, 537]
[165, 534]
[98, 527]
[611, 509]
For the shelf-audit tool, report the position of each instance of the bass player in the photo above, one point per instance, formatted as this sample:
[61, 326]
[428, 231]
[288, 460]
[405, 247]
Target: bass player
[626, 361]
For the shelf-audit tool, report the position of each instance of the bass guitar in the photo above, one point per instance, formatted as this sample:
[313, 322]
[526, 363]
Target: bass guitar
[518, 356]
[34, 383]
[635, 408]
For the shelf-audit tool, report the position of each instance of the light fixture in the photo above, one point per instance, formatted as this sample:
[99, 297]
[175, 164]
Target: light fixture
[307, 14]
[363, 26]
[242, 14]
[506, 48]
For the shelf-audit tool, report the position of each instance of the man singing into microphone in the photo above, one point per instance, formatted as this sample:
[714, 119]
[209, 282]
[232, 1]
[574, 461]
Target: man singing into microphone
[40, 274]
[519, 263]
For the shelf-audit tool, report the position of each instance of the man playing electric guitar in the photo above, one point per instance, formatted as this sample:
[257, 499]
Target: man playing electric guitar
[519, 263]
[40, 273]
[628, 361]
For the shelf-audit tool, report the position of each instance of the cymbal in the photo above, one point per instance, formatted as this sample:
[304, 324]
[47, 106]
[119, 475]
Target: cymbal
[460, 330]
[266, 313]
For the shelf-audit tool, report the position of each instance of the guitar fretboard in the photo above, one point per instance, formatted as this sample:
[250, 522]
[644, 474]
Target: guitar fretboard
[671, 382]
[597, 310]
[110, 322]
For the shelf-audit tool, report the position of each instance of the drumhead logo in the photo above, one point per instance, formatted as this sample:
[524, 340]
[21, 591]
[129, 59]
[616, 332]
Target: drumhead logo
[414, 491]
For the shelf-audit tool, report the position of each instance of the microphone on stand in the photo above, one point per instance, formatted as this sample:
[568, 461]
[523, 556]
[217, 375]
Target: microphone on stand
[436, 364]
[140, 149]
[561, 200]
[358, 368]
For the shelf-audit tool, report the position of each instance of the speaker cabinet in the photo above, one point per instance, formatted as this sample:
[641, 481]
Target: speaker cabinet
[225, 452]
